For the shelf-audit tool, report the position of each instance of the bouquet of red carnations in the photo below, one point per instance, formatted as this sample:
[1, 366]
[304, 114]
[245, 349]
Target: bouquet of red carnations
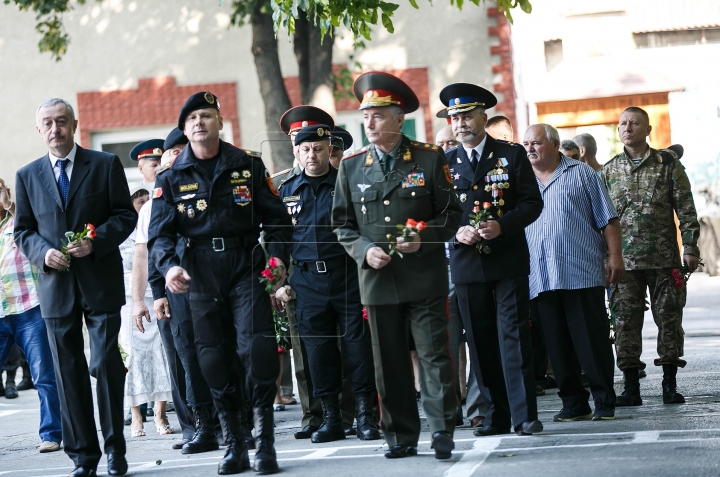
[406, 233]
[271, 275]
[477, 217]
[88, 233]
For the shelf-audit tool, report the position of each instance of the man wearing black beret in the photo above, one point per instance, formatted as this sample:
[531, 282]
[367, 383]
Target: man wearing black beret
[218, 198]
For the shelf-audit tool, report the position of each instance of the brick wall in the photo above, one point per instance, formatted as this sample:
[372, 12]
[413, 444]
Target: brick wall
[506, 86]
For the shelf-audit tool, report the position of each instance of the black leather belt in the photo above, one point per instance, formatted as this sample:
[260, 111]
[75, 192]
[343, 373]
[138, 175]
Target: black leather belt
[322, 266]
[220, 244]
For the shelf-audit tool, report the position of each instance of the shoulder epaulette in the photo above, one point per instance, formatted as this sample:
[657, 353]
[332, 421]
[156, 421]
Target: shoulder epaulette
[424, 146]
[355, 154]
[166, 166]
[666, 156]
[253, 154]
[277, 174]
[452, 149]
[288, 178]
[509, 143]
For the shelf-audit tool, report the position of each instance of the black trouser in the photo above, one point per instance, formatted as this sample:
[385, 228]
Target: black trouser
[73, 381]
[496, 315]
[324, 302]
[177, 378]
[577, 332]
[226, 297]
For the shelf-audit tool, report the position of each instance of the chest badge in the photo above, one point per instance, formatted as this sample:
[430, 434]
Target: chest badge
[181, 208]
[201, 205]
[190, 211]
[294, 221]
[417, 179]
[246, 174]
[235, 175]
[242, 195]
[363, 187]
[463, 197]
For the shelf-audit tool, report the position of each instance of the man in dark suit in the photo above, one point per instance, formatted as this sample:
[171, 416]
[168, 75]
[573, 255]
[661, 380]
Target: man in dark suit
[490, 263]
[391, 181]
[63, 191]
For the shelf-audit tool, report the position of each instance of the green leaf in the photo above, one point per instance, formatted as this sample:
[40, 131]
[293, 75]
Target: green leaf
[388, 7]
[414, 4]
[387, 23]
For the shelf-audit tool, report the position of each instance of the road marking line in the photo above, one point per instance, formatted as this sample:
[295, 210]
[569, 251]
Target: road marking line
[471, 460]
[319, 453]
[646, 436]
[606, 444]
[8, 413]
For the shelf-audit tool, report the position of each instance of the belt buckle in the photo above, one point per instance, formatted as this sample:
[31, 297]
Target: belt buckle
[321, 268]
[215, 242]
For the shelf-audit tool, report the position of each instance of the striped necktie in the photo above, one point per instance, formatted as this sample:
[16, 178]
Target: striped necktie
[63, 181]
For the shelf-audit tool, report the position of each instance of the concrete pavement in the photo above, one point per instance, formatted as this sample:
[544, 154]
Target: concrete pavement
[651, 440]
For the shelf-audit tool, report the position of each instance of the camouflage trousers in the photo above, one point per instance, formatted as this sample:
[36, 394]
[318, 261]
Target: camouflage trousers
[627, 301]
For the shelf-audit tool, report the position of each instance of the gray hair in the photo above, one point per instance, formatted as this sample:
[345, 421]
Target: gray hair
[588, 142]
[569, 145]
[550, 132]
[53, 102]
[396, 111]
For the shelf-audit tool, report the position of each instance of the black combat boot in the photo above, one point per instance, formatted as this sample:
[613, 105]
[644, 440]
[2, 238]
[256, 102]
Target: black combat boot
[631, 394]
[27, 382]
[204, 439]
[669, 386]
[332, 427]
[236, 456]
[246, 420]
[366, 422]
[10, 387]
[265, 458]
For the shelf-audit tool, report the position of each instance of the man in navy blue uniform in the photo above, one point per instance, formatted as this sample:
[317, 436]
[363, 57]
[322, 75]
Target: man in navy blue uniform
[490, 263]
[216, 197]
[325, 282]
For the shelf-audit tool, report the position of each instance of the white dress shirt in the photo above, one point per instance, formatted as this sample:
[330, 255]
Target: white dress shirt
[68, 166]
[479, 148]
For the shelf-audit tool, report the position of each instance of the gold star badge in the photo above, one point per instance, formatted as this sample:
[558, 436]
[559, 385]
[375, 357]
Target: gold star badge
[201, 205]
[246, 174]
[181, 208]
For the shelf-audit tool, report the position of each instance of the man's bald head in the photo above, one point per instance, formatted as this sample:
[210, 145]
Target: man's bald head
[445, 138]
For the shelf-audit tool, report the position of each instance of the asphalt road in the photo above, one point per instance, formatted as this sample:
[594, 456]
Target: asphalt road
[651, 440]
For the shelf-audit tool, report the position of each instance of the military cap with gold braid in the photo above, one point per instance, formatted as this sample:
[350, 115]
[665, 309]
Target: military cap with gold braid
[200, 100]
[376, 89]
[303, 116]
[314, 133]
[462, 97]
[150, 149]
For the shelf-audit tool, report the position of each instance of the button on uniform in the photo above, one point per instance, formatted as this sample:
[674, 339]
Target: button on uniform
[387, 219]
[386, 202]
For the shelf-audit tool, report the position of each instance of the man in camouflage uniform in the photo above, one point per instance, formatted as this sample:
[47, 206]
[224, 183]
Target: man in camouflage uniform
[646, 187]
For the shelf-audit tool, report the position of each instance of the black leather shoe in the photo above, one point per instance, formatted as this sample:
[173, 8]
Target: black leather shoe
[443, 444]
[398, 452]
[117, 465]
[179, 444]
[306, 432]
[82, 471]
[490, 431]
[11, 391]
[204, 439]
[349, 431]
[459, 421]
[529, 428]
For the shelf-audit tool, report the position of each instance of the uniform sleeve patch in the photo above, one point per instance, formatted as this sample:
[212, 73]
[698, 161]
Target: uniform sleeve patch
[157, 193]
[446, 169]
[270, 183]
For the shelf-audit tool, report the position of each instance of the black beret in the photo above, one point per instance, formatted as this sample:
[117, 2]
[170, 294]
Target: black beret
[201, 100]
[150, 149]
[175, 138]
[341, 138]
[317, 132]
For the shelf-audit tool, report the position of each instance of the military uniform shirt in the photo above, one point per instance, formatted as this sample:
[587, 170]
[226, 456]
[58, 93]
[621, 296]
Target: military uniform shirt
[645, 196]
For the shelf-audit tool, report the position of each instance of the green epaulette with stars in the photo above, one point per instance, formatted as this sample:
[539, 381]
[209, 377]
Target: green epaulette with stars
[424, 146]
[355, 154]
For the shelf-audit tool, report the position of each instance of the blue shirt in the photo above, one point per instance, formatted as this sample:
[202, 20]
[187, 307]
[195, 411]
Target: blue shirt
[567, 248]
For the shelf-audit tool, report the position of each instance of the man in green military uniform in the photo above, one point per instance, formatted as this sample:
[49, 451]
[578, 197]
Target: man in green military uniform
[393, 180]
[647, 186]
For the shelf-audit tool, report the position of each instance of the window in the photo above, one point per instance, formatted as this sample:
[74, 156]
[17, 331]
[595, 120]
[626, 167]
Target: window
[553, 53]
[121, 143]
[659, 39]
[414, 127]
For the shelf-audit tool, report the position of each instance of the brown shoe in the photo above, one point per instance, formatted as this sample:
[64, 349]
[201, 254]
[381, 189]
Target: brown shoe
[49, 446]
[287, 400]
[478, 421]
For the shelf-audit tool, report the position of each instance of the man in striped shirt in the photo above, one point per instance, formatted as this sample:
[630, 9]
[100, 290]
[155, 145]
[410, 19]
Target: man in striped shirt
[21, 323]
[568, 274]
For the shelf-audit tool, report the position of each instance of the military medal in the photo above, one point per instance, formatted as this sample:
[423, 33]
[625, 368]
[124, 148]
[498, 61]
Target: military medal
[368, 160]
[190, 211]
[407, 157]
[294, 221]
[201, 205]
[363, 209]
[246, 174]
[235, 175]
[463, 197]
[181, 208]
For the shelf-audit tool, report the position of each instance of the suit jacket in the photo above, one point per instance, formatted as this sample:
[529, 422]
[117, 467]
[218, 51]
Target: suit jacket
[98, 195]
[509, 256]
[369, 205]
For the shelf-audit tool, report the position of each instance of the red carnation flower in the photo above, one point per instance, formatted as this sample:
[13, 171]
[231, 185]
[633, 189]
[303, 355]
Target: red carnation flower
[410, 223]
[486, 205]
[421, 226]
[91, 231]
[272, 263]
[267, 274]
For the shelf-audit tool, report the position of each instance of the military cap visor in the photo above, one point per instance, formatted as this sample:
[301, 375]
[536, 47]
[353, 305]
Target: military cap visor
[303, 116]
[150, 149]
[463, 97]
[315, 133]
[341, 138]
[376, 89]
[200, 100]
[176, 137]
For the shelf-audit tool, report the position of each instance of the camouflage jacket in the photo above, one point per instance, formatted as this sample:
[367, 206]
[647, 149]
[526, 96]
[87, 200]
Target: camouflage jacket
[645, 196]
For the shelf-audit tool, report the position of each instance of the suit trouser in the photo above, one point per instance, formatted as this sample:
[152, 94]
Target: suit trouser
[476, 402]
[496, 317]
[627, 300]
[312, 410]
[577, 333]
[226, 298]
[286, 384]
[455, 332]
[326, 301]
[427, 320]
[73, 380]
[177, 378]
